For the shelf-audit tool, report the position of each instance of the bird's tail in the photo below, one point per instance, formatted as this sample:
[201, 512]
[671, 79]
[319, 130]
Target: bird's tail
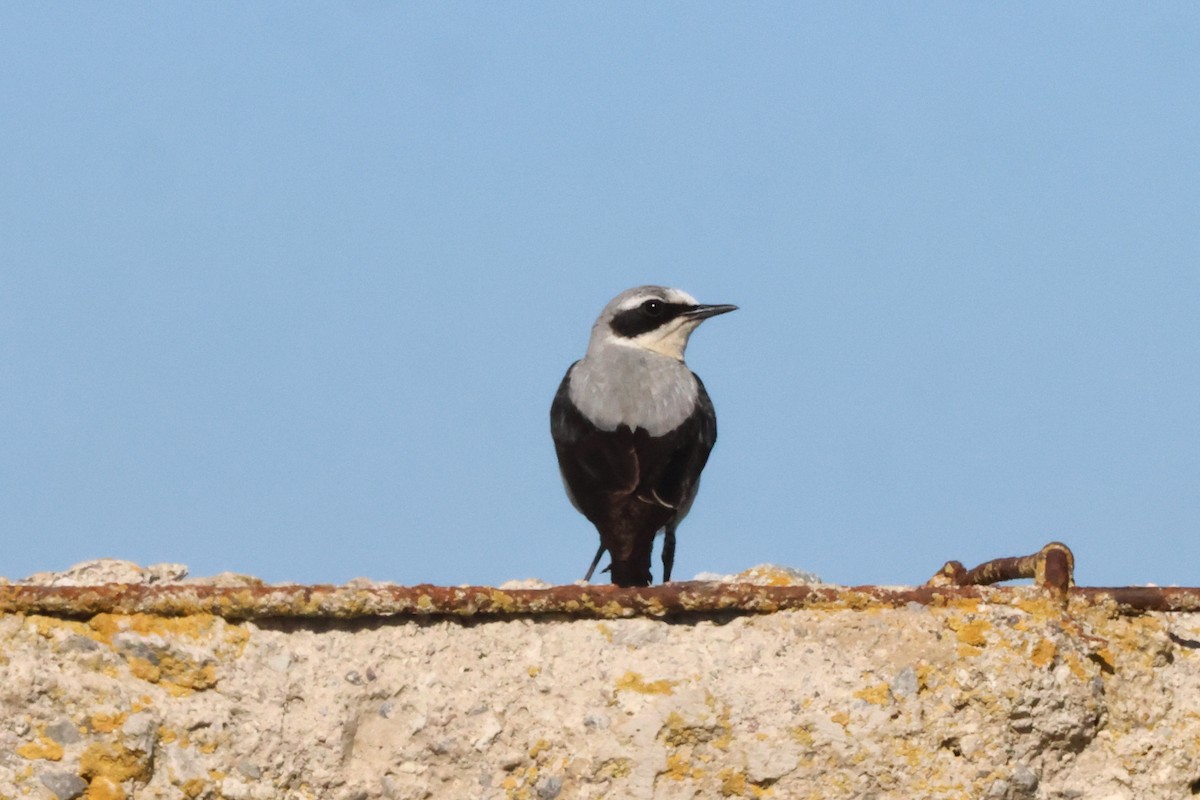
[633, 572]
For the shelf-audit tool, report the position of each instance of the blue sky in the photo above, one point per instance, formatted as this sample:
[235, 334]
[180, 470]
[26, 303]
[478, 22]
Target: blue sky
[287, 289]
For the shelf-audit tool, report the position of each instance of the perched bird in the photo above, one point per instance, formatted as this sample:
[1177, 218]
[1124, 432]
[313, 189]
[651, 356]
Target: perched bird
[633, 427]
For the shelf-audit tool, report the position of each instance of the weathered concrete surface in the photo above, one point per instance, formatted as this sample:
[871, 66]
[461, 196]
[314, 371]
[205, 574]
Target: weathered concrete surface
[1006, 696]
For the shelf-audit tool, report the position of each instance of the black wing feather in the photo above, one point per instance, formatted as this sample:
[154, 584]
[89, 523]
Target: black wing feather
[594, 463]
[679, 456]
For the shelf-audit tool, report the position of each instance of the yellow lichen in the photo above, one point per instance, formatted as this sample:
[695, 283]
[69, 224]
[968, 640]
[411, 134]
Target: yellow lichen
[538, 747]
[193, 788]
[114, 761]
[925, 673]
[1076, 665]
[502, 600]
[733, 782]
[761, 791]
[533, 671]
[879, 694]
[179, 676]
[800, 735]
[190, 626]
[614, 768]
[678, 767]
[1039, 608]
[43, 748]
[49, 627]
[972, 633]
[1043, 653]
[188, 674]
[237, 637]
[634, 682]
[144, 669]
[911, 751]
[725, 731]
[968, 650]
[965, 604]
[518, 784]
[104, 788]
[677, 732]
[612, 610]
[102, 722]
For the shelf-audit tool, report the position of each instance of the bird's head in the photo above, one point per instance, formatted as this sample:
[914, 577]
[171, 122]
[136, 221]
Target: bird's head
[654, 318]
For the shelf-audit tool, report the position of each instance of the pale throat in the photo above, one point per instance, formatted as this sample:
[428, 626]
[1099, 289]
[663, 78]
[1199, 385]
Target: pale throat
[672, 343]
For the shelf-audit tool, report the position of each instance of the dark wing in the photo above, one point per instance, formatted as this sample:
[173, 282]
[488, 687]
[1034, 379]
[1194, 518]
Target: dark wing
[672, 463]
[595, 464]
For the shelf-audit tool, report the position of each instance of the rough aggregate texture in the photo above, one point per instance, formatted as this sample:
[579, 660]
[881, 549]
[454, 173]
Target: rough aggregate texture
[1001, 698]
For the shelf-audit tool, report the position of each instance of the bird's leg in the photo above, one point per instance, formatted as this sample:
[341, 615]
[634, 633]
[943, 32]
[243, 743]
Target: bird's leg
[668, 553]
[588, 578]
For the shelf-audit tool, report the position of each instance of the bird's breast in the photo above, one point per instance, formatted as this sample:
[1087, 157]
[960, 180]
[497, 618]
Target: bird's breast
[654, 393]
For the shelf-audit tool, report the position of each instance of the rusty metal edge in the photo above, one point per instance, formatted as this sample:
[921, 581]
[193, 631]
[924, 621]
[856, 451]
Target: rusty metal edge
[696, 599]
[1132, 600]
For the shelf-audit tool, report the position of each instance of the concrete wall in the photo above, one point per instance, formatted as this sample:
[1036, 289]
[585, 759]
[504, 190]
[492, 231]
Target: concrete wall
[1009, 696]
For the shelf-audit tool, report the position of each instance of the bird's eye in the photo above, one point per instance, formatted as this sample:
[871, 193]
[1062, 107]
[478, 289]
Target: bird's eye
[652, 308]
